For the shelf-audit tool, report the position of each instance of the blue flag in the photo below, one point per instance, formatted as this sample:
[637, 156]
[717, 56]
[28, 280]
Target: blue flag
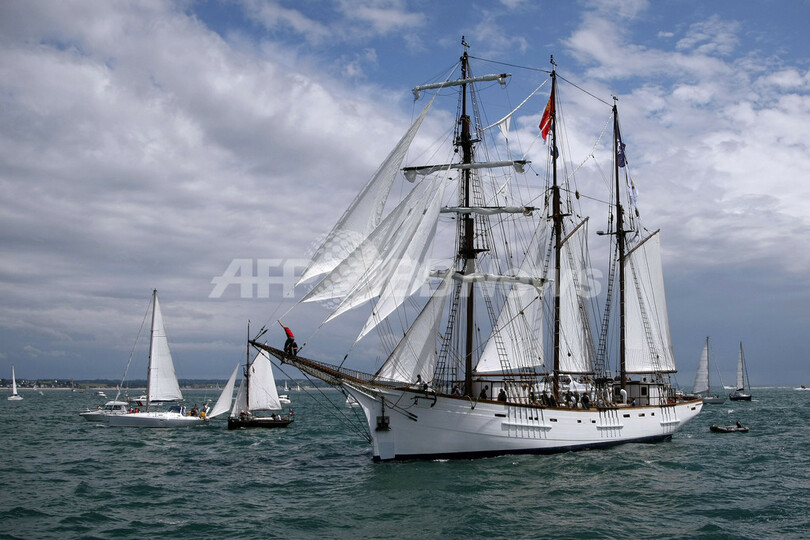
[621, 159]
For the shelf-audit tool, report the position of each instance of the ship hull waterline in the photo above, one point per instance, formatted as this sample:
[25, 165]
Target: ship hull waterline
[154, 420]
[423, 425]
[258, 422]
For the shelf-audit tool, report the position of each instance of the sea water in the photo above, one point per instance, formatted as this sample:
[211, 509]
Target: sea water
[64, 477]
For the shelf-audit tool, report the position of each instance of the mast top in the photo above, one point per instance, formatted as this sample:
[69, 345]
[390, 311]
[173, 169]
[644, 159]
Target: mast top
[464, 44]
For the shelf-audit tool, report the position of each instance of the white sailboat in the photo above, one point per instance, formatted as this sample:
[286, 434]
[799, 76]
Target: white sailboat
[14, 395]
[702, 386]
[162, 385]
[507, 312]
[257, 393]
[743, 390]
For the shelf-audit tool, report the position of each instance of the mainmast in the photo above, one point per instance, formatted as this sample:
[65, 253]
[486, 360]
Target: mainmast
[466, 243]
[557, 219]
[151, 351]
[620, 245]
[247, 368]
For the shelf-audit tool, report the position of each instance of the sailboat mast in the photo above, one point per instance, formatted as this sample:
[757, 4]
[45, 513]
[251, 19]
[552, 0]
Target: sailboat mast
[467, 240]
[558, 218]
[247, 368]
[620, 243]
[151, 347]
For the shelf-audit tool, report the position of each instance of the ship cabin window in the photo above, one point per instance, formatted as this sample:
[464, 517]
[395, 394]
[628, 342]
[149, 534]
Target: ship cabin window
[643, 390]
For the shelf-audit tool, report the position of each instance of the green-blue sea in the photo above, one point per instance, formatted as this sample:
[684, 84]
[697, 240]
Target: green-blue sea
[63, 477]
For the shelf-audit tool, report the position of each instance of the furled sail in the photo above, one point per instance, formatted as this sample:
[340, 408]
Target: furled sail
[364, 214]
[224, 402]
[416, 352]
[648, 341]
[163, 385]
[702, 375]
[517, 337]
[576, 343]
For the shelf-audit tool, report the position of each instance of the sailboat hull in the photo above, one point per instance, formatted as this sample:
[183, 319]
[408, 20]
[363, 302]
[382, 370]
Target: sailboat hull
[155, 420]
[407, 424]
[739, 396]
[258, 422]
[14, 397]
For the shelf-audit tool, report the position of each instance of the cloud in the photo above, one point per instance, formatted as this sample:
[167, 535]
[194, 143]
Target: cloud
[162, 154]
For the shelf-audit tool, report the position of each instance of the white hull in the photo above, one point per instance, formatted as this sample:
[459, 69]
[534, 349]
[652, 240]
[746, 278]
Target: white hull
[154, 420]
[14, 397]
[98, 416]
[426, 426]
[111, 408]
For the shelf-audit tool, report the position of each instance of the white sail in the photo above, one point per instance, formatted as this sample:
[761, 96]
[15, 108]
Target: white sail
[224, 402]
[740, 370]
[365, 264]
[576, 349]
[518, 334]
[240, 403]
[648, 341]
[402, 259]
[13, 382]
[262, 394]
[411, 271]
[163, 385]
[702, 376]
[363, 215]
[416, 352]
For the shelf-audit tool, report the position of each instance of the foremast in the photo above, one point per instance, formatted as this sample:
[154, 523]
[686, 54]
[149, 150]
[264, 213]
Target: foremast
[466, 241]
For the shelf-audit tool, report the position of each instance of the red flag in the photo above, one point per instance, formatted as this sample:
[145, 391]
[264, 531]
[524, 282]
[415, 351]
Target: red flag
[548, 115]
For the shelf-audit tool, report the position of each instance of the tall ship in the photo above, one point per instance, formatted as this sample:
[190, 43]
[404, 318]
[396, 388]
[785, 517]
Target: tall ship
[481, 282]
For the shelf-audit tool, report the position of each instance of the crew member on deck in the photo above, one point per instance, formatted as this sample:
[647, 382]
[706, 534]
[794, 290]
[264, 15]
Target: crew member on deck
[483, 394]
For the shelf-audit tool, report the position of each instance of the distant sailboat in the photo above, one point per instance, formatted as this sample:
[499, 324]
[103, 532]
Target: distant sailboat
[14, 395]
[162, 385]
[740, 393]
[702, 386]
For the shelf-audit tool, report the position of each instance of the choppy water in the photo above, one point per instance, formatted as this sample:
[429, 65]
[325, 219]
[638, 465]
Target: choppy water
[63, 477]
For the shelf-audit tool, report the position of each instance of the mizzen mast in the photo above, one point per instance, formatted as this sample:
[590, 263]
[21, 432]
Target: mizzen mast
[621, 247]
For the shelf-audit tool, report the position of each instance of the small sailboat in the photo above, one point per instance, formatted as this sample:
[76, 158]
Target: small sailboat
[257, 392]
[740, 393]
[14, 395]
[284, 399]
[162, 385]
[702, 386]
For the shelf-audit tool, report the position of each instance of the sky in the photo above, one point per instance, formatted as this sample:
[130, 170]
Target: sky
[149, 145]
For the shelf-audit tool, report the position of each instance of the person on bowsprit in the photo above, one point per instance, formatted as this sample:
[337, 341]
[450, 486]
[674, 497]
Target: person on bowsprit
[290, 346]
